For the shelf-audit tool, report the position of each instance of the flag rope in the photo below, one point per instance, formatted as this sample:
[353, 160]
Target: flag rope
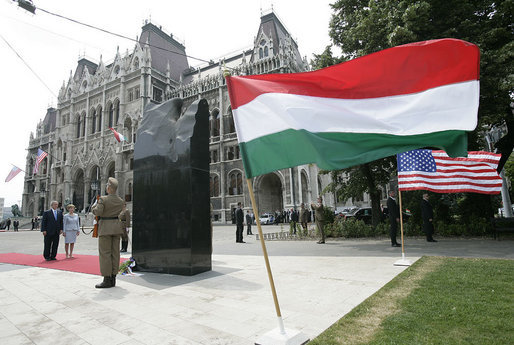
[265, 254]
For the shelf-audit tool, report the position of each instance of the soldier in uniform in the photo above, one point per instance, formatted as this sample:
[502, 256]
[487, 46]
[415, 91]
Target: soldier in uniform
[108, 209]
[319, 217]
[124, 217]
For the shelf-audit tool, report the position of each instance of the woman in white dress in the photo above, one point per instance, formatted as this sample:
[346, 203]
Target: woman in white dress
[71, 227]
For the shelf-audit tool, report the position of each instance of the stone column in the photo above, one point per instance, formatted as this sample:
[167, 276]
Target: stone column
[87, 186]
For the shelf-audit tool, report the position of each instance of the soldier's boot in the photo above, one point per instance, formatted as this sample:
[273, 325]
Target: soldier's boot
[113, 280]
[124, 245]
[107, 283]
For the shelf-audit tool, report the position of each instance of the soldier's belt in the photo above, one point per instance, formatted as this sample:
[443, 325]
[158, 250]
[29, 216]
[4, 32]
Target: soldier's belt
[107, 218]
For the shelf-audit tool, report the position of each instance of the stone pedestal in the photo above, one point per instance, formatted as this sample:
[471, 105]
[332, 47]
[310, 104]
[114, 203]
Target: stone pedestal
[172, 231]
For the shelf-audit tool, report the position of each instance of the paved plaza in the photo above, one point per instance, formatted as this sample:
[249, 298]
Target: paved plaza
[232, 304]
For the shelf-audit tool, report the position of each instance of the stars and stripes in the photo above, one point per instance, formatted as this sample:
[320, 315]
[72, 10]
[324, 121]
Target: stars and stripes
[40, 156]
[119, 137]
[14, 171]
[435, 171]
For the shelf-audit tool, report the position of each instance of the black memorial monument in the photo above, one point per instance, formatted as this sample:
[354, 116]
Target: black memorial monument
[171, 212]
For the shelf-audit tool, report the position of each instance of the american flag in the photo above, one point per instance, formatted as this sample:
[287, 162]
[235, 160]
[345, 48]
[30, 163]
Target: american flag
[14, 171]
[435, 171]
[40, 156]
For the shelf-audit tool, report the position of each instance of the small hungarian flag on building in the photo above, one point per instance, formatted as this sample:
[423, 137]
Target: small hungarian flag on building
[14, 171]
[40, 156]
[399, 99]
[118, 135]
[433, 170]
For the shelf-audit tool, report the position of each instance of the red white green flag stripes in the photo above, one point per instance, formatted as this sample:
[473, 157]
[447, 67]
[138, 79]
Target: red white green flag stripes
[411, 96]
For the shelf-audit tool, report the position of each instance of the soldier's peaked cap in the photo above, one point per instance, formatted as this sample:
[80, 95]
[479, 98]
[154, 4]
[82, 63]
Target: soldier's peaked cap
[113, 183]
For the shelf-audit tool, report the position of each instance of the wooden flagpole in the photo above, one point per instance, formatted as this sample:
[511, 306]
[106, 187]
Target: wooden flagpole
[402, 261]
[265, 254]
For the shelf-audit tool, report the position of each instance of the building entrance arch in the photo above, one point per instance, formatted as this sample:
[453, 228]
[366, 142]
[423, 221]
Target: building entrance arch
[270, 194]
[78, 191]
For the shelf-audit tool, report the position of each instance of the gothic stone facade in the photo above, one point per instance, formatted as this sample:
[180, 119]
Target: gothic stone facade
[83, 152]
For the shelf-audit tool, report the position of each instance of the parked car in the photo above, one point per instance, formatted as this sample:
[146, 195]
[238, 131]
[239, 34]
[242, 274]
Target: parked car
[362, 213]
[343, 211]
[267, 218]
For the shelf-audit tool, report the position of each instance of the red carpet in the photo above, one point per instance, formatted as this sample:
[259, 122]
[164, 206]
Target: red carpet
[79, 263]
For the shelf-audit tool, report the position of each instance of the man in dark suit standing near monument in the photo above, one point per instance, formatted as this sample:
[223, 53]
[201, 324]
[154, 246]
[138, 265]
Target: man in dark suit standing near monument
[394, 217]
[249, 221]
[427, 214]
[108, 209]
[239, 224]
[51, 227]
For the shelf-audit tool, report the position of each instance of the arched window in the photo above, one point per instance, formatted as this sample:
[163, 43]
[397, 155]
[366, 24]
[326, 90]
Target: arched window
[127, 128]
[83, 125]
[93, 121]
[229, 122]
[111, 115]
[265, 51]
[235, 180]
[128, 193]
[45, 166]
[215, 186]
[215, 123]
[78, 126]
[99, 125]
[260, 53]
[117, 112]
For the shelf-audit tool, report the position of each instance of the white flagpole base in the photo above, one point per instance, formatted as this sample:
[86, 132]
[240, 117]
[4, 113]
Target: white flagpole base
[403, 261]
[283, 337]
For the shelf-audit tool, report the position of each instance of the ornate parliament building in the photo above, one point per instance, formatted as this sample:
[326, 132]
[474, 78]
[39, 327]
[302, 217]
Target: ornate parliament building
[83, 152]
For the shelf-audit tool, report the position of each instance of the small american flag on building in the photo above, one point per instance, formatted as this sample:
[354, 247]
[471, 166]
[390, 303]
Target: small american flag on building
[40, 156]
[435, 171]
[14, 171]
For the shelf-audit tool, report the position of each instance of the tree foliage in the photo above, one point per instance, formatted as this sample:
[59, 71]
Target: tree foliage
[361, 27]
[365, 178]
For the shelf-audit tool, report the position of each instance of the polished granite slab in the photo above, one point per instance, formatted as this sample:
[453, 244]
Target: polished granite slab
[171, 210]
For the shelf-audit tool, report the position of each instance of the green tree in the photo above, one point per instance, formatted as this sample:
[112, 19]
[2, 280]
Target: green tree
[325, 59]
[361, 27]
[365, 178]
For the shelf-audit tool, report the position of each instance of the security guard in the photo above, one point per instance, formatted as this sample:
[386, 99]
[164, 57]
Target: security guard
[107, 209]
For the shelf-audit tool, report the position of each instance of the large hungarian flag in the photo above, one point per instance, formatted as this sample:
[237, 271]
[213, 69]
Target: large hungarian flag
[422, 94]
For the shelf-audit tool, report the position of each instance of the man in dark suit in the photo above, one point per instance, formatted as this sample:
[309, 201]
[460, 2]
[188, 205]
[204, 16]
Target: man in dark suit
[394, 217]
[427, 214]
[51, 227]
[239, 224]
[249, 221]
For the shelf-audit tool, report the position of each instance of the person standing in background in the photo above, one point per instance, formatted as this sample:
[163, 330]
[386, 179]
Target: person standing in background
[394, 217]
[249, 221]
[319, 217]
[239, 223]
[427, 213]
[124, 217]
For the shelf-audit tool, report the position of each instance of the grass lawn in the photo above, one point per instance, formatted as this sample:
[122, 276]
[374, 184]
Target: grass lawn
[435, 301]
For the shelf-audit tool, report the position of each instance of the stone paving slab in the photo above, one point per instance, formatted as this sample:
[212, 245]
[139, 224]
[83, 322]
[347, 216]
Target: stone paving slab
[232, 304]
